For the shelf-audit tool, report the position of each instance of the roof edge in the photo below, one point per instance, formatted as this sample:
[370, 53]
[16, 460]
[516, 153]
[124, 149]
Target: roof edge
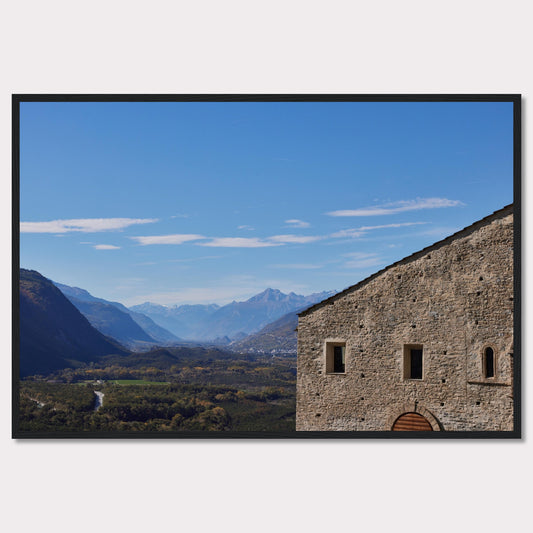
[504, 211]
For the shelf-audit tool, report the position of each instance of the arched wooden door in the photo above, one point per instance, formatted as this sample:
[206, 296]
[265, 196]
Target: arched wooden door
[411, 422]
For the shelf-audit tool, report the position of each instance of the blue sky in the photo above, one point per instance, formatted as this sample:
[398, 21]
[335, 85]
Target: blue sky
[211, 202]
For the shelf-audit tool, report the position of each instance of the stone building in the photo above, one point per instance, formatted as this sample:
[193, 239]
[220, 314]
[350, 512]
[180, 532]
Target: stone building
[424, 344]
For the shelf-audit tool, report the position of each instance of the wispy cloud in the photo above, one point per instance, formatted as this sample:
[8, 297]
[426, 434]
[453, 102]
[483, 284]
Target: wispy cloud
[361, 231]
[238, 242]
[193, 259]
[298, 266]
[295, 223]
[254, 242]
[397, 225]
[106, 247]
[397, 207]
[180, 216]
[246, 227]
[85, 225]
[178, 238]
[441, 231]
[360, 260]
[351, 233]
[290, 239]
[257, 242]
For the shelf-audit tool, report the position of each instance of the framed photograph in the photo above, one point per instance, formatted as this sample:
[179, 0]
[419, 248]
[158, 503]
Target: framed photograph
[266, 266]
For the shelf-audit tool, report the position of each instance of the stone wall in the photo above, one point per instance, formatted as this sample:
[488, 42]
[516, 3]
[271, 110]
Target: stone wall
[454, 298]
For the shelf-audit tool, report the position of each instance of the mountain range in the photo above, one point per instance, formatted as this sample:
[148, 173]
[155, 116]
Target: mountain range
[132, 329]
[233, 321]
[63, 326]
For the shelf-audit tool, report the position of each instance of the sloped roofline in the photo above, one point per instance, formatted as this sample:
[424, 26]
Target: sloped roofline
[504, 211]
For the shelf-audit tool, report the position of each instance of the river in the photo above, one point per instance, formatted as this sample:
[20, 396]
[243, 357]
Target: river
[99, 400]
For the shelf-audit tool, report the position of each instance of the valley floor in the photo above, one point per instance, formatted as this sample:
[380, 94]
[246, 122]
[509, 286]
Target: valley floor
[195, 394]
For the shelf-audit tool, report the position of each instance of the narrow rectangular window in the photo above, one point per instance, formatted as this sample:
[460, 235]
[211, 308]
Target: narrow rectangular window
[489, 363]
[338, 359]
[413, 361]
[335, 352]
[416, 363]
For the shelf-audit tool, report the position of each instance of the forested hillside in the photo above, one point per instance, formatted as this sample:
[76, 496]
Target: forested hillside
[53, 333]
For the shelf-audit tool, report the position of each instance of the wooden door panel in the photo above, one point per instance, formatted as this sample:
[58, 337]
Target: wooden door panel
[411, 422]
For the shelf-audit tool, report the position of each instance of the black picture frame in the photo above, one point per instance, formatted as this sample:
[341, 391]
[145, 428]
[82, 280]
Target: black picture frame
[515, 99]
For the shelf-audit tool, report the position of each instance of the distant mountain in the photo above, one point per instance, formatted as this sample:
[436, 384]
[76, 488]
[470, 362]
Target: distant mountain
[185, 321]
[251, 315]
[257, 312]
[76, 292]
[279, 336]
[160, 334]
[53, 333]
[110, 321]
[234, 320]
[134, 330]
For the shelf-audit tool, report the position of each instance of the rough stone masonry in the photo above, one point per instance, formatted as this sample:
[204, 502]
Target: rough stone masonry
[431, 334]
